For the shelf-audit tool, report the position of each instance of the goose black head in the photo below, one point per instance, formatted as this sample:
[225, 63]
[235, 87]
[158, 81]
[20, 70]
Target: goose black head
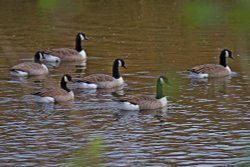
[82, 36]
[67, 78]
[227, 53]
[39, 56]
[120, 63]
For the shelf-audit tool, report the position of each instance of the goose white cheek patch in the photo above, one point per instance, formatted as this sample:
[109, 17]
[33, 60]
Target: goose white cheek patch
[162, 81]
[120, 63]
[66, 79]
[227, 53]
[81, 36]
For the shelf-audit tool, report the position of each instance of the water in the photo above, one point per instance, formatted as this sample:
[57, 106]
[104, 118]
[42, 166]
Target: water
[205, 124]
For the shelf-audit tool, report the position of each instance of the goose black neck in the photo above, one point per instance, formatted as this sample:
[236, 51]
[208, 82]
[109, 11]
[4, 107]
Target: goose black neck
[64, 85]
[78, 44]
[159, 90]
[37, 58]
[115, 70]
[223, 60]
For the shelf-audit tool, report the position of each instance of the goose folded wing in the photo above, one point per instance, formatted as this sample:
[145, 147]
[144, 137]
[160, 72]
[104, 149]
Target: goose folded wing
[95, 78]
[26, 67]
[51, 92]
[207, 68]
[62, 52]
[136, 99]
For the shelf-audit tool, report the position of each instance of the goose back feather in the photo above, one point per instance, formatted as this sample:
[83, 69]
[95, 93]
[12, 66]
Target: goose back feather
[212, 70]
[64, 54]
[102, 80]
[31, 68]
[58, 94]
[143, 101]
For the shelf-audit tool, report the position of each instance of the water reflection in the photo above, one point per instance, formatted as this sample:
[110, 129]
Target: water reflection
[205, 124]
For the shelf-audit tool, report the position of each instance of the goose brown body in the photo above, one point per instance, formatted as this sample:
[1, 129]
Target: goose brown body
[144, 101]
[68, 54]
[213, 70]
[103, 81]
[36, 68]
[61, 94]
[31, 68]
[65, 54]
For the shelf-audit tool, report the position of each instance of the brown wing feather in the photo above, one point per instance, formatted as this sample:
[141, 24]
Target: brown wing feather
[58, 94]
[65, 54]
[26, 66]
[31, 68]
[52, 92]
[95, 78]
[144, 101]
[213, 70]
[136, 99]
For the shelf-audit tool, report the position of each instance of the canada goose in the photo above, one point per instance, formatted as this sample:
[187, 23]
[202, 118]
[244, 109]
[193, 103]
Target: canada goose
[25, 69]
[67, 54]
[144, 102]
[213, 70]
[102, 80]
[52, 95]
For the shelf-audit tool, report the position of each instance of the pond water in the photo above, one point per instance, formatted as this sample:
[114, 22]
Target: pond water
[206, 122]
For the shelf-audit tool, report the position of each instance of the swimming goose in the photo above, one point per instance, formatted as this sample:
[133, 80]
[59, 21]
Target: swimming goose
[102, 80]
[145, 102]
[28, 69]
[213, 70]
[52, 95]
[67, 54]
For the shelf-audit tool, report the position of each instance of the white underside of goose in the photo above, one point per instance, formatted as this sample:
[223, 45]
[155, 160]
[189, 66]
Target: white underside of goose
[163, 101]
[86, 85]
[52, 58]
[201, 76]
[120, 81]
[83, 54]
[198, 76]
[228, 69]
[129, 106]
[18, 73]
[46, 99]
